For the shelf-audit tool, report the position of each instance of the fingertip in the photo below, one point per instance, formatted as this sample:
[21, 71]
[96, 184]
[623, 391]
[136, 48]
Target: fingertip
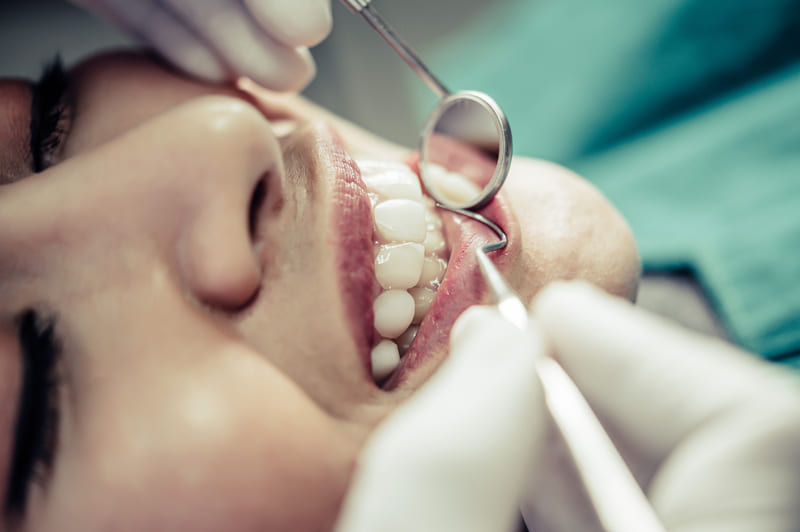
[296, 23]
[561, 299]
[290, 71]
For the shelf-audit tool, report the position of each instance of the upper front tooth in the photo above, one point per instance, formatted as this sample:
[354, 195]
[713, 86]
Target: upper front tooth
[399, 265]
[394, 183]
[401, 220]
[394, 310]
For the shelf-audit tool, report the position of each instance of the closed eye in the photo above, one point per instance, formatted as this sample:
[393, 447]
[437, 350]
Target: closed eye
[36, 431]
[51, 115]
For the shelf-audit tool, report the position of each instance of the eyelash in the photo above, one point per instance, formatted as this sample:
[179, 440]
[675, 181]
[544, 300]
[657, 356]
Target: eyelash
[36, 433]
[50, 115]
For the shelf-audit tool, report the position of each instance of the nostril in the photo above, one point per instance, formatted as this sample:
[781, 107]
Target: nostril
[256, 202]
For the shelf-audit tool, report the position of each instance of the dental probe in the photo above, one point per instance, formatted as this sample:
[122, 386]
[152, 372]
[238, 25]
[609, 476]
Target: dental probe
[619, 502]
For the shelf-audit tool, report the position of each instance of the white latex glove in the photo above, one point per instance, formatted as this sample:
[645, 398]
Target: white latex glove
[456, 455]
[712, 433]
[217, 40]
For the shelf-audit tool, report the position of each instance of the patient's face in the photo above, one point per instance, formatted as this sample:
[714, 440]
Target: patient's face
[205, 258]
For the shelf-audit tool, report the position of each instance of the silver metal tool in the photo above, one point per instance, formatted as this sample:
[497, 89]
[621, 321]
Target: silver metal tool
[473, 125]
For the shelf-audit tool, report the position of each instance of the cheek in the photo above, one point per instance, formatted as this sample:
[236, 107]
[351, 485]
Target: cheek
[570, 231]
[233, 447]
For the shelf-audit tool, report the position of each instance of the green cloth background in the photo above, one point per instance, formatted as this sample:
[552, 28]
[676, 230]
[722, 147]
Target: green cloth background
[685, 113]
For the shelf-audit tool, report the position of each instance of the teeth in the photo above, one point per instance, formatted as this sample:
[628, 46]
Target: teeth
[450, 185]
[394, 182]
[400, 265]
[385, 359]
[394, 310]
[410, 257]
[423, 297]
[405, 339]
[401, 220]
[432, 271]
[434, 241]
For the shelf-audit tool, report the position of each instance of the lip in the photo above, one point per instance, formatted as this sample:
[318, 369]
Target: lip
[352, 229]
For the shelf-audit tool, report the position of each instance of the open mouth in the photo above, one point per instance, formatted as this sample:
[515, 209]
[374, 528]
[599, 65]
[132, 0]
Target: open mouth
[407, 268]
[424, 267]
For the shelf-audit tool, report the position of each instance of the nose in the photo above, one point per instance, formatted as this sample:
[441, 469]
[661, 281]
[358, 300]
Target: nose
[172, 195]
[236, 163]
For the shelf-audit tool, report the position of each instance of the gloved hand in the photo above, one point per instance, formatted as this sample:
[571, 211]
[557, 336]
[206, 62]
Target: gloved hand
[217, 40]
[712, 433]
[455, 456]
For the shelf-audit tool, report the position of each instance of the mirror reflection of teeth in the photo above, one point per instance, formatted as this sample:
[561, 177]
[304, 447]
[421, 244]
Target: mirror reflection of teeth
[452, 187]
[410, 259]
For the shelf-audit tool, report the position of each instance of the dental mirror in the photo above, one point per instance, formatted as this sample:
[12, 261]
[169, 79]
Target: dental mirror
[466, 136]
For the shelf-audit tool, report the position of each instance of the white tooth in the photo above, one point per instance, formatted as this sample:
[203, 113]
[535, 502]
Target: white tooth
[399, 265]
[434, 241]
[433, 221]
[394, 183]
[405, 339]
[432, 270]
[401, 220]
[454, 187]
[423, 297]
[385, 359]
[394, 310]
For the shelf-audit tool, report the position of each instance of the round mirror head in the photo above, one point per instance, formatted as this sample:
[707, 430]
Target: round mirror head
[465, 150]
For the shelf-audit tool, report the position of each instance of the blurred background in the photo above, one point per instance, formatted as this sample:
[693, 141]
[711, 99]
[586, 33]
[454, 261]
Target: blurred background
[685, 113]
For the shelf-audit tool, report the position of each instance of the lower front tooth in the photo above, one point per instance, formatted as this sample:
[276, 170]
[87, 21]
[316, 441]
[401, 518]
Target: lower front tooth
[422, 297]
[385, 359]
[394, 310]
[432, 271]
[405, 339]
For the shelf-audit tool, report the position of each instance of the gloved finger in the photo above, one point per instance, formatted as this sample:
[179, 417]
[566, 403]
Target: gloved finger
[652, 381]
[295, 23]
[158, 27]
[227, 28]
[456, 454]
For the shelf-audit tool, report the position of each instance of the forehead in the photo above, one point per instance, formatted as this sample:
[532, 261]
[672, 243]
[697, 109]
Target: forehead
[15, 154]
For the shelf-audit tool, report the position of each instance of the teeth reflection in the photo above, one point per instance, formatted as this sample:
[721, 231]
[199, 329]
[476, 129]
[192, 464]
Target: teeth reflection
[405, 339]
[401, 220]
[399, 265]
[422, 297]
[451, 185]
[385, 359]
[394, 310]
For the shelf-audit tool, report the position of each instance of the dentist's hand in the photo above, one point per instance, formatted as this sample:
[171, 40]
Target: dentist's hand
[217, 40]
[711, 432]
[456, 455]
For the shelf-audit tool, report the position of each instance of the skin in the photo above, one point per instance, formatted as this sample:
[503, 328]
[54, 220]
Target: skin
[210, 373]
